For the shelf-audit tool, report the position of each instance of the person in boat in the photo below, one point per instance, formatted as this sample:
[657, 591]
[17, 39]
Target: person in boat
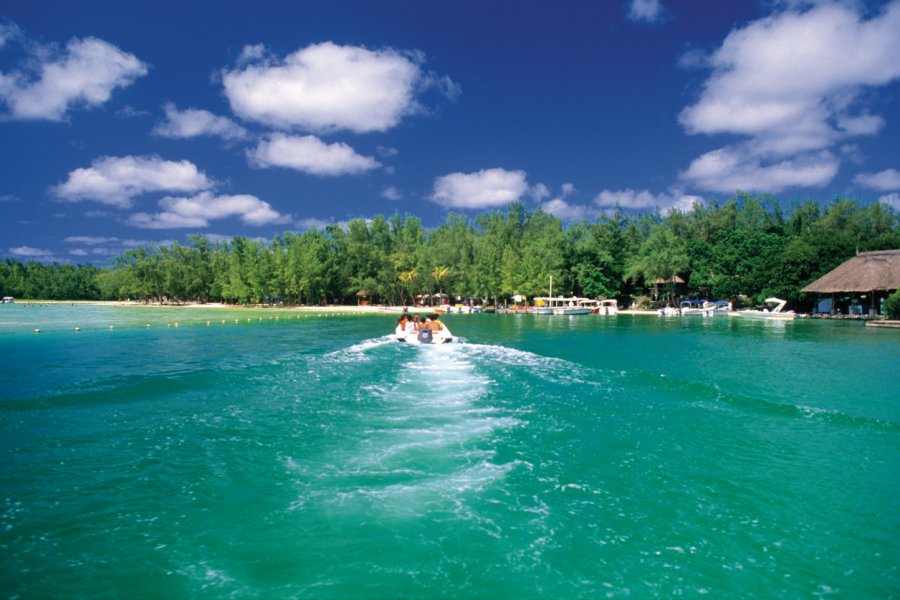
[401, 323]
[416, 323]
[435, 323]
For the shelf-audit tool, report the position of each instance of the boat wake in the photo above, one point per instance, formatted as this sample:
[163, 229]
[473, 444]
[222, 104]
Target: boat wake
[428, 431]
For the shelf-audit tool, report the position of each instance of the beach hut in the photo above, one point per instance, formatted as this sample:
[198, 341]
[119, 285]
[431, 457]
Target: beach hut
[860, 285]
[670, 284]
[362, 297]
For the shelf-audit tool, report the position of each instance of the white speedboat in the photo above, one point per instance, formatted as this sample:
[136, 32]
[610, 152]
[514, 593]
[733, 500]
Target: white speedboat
[606, 307]
[777, 313]
[697, 308]
[571, 306]
[424, 336]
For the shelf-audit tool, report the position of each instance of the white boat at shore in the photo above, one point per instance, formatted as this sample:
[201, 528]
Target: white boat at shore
[572, 306]
[423, 336]
[606, 307]
[668, 311]
[776, 313]
[697, 308]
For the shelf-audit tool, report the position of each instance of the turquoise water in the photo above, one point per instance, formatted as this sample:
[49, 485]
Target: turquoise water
[554, 457]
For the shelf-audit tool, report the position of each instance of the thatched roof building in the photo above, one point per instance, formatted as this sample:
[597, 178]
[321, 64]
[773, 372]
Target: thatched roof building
[866, 272]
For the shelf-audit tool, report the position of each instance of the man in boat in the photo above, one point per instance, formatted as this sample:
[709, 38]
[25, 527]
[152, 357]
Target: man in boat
[435, 324]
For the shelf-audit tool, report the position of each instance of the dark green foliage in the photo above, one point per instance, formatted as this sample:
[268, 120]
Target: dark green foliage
[746, 247]
[892, 306]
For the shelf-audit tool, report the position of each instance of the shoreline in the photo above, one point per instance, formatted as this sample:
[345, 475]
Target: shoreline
[331, 308]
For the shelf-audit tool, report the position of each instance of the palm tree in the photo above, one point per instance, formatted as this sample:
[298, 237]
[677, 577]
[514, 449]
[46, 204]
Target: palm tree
[407, 277]
[661, 256]
[439, 273]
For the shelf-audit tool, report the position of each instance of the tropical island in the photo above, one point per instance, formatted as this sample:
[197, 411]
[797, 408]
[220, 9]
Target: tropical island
[744, 249]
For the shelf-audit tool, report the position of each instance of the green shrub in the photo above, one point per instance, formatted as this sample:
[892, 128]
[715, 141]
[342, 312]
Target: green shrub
[892, 306]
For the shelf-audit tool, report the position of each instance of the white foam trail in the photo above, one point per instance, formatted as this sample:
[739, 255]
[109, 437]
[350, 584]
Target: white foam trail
[430, 436]
[358, 351]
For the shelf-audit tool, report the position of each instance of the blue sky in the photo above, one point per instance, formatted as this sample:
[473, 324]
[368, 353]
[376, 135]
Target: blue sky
[126, 123]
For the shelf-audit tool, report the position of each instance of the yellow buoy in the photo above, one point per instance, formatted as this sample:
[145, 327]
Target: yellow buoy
[176, 324]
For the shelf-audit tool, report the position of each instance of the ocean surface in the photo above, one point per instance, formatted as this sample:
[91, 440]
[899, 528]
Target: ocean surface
[240, 455]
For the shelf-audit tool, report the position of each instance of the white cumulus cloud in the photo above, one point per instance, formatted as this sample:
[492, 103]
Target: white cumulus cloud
[792, 84]
[884, 181]
[734, 168]
[326, 87]
[28, 251]
[310, 155]
[560, 207]
[645, 11]
[51, 81]
[566, 211]
[117, 180]
[892, 200]
[391, 193]
[199, 210]
[488, 188]
[194, 122]
[641, 200]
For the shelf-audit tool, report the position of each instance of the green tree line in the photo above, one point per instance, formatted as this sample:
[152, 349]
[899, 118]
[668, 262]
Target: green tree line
[748, 247]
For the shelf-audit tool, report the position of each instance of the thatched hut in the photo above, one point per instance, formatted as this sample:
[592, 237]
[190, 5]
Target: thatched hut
[671, 284]
[860, 285]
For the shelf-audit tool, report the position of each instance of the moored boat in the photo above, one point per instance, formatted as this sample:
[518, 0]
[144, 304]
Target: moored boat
[776, 313]
[571, 306]
[606, 307]
[697, 308]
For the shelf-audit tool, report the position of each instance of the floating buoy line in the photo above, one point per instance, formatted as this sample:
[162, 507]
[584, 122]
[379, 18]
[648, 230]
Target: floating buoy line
[208, 322]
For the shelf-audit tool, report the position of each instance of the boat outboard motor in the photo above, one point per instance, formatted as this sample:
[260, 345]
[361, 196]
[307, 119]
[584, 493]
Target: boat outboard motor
[425, 336]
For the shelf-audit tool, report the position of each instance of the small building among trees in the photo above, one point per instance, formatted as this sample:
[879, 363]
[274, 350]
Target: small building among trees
[860, 285]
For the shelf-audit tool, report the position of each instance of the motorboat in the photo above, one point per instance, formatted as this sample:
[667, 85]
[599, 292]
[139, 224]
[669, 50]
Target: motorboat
[572, 306]
[722, 307]
[547, 305]
[424, 336]
[697, 308]
[776, 313]
[606, 307]
[543, 305]
[668, 311]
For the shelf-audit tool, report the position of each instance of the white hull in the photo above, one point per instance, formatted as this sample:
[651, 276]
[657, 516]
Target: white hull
[412, 337]
[571, 311]
[775, 314]
[772, 316]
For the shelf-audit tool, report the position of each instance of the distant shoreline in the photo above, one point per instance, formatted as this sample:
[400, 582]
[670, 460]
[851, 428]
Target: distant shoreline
[348, 309]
